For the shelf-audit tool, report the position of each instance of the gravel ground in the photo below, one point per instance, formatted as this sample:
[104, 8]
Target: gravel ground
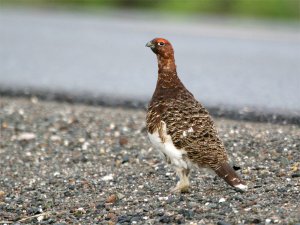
[76, 164]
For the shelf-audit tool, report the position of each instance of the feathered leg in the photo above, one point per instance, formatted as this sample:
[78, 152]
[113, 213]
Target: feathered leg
[183, 183]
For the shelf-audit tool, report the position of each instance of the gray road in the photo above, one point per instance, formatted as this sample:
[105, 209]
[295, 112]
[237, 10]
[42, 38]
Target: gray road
[230, 63]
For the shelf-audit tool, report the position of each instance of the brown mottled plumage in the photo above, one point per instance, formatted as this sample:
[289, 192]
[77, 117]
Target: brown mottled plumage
[180, 127]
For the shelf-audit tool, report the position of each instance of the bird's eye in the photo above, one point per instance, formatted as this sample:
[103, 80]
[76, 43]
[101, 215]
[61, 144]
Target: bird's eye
[161, 43]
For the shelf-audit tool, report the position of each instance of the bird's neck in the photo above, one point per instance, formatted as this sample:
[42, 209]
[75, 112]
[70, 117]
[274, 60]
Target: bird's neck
[167, 74]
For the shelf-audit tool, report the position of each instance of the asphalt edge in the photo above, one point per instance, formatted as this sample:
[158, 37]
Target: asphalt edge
[243, 114]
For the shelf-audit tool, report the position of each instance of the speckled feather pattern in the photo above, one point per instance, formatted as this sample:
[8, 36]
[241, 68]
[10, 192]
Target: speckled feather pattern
[188, 123]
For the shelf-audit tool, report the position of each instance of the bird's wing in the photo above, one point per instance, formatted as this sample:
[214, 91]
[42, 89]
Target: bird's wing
[192, 129]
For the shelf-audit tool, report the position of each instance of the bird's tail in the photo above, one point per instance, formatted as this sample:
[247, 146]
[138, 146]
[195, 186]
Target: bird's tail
[226, 172]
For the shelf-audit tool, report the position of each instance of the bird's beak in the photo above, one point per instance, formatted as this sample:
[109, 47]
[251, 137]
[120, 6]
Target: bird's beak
[150, 44]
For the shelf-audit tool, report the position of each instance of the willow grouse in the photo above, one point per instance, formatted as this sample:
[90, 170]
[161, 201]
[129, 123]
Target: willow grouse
[181, 128]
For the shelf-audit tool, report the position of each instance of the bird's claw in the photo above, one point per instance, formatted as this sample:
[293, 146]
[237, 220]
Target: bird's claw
[180, 189]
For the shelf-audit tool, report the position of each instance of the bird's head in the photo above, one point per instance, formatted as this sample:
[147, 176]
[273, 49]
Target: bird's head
[161, 47]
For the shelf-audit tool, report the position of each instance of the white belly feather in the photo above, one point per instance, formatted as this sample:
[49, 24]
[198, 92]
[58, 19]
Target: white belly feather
[167, 148]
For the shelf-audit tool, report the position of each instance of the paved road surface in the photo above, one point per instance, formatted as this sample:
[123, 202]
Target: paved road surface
[221, 62]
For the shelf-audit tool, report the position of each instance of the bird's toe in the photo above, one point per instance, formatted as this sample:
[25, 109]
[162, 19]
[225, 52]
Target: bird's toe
[180, 189]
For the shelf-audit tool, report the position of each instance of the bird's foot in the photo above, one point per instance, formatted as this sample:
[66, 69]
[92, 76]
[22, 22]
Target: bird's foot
[180, 189]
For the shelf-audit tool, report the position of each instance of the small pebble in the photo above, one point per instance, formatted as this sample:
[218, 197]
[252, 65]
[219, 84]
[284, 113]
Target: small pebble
[222, 200]
[107, 177]
[26, 136]
[123, 141]
[222, 223]
[268, 221]
[111, 199]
